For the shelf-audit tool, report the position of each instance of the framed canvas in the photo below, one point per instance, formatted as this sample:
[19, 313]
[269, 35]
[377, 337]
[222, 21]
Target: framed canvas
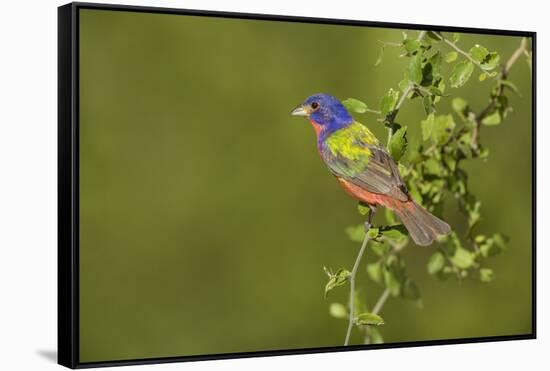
[237, 185]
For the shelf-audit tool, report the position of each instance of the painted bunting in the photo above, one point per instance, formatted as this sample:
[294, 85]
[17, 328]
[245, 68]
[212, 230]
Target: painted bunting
[364, 168]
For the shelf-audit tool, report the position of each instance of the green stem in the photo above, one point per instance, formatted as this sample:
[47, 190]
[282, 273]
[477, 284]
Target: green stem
[377, 308]
[381, 301]
[421, 35]
[393, 114]
[458, 50]
[353, 274]
[523, 47]
[373, 111]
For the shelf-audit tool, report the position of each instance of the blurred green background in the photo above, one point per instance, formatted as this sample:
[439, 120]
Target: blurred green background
[206, 215]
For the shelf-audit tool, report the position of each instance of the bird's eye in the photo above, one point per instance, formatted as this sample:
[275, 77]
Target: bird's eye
[314, 105]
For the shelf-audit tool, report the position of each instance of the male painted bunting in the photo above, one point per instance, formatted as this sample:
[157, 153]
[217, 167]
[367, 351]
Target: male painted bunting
[364, 168]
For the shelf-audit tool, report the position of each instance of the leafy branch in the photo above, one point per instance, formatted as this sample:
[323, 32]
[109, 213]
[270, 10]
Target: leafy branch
[477, 55]
[496, 102]
[366, 240]
[432, 172]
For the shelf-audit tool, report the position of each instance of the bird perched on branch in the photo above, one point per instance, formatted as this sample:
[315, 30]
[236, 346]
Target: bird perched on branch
[364, 168]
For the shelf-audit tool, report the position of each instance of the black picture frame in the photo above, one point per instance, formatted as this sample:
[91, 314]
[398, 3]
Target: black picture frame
[68, 182]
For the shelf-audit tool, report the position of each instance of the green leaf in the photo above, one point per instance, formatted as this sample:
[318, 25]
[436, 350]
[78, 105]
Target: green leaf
[415, 69]
[432, 167]
[482, 76]
[500, 240]
[478, 53]
[491, 61]
[463, 258]
[450, 161]
[493, 245]
[483, 152]
[404, 84]
[427, 126]
[452, 243]
[369, 319]
[337, 310]
[379, 248]
[363, 209]
[355, 105]
[356, 233]
[486, 248]
[411, 45]
[440, 84]
[456, 37]
[461, 73]
[464, 144]
[374, 271]
[472, 207]
[459, 105]
[443, 128]
[339, 278]
[436, 262]
[398, 143]
[486, 275]
[415, 157]
[481, 238]
[394, 232]
[509, 84]
[436, 91]
[390, 216]
[450, 57]
[415, 193]
[388, 102]
[428, 103]
[372, 233]
[435, 62]
[492, 119]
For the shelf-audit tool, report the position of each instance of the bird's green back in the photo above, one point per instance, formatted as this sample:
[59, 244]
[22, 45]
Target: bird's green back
[352, 142]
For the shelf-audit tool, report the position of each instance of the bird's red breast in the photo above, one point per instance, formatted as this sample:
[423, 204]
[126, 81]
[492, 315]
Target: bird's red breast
[371, 198]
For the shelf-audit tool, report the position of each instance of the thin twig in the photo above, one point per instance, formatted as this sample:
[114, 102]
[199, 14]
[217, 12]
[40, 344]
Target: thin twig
[354, 273]
[373, 111]
[393, 114]
[389, 43]
[464, 53]
[421, 35]
[377, 308]
[523, 47]
[381, 301]
[391, 117]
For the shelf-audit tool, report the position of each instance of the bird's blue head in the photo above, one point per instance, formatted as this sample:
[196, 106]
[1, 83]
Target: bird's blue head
[325, 112]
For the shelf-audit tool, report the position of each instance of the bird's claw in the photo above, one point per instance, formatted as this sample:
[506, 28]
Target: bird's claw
[368, 223]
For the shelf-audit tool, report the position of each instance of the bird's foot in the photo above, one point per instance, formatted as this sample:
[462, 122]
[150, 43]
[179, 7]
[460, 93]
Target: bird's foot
[368, 223]
[367, 226]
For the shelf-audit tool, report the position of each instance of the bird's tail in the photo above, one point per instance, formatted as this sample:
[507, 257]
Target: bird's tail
[423, 227]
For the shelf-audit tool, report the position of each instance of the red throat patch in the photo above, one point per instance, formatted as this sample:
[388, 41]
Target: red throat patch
[316, 127]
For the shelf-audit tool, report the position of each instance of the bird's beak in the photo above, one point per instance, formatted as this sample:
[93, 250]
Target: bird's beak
[299, 111]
